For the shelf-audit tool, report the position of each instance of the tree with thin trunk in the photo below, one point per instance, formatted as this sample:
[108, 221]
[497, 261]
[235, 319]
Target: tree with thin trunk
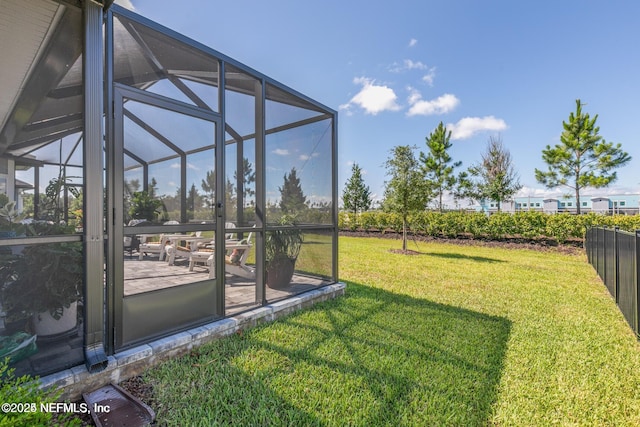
[248, 178]
[292, 198]
[406, 191]
[356, 195]
[438, 166]
[583, 158]
[495, 177]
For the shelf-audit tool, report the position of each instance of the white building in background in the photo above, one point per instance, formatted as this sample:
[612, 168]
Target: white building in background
[625, 204]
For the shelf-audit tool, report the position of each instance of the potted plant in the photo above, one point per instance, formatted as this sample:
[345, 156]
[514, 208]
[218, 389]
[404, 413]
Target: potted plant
[44, 283]
[145, 206]
[282, 247]
[9, 225]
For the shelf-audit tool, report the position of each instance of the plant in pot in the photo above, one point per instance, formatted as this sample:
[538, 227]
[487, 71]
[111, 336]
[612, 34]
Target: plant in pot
[9, 225]
[44, 283]
[145, 206]
[282, 247]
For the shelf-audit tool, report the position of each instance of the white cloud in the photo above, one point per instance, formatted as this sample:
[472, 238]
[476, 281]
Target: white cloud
[553, 193]
[407, 64]
[441, 105]
[126, 4]
[564, 192]
[411, 65]
[413, 42]
[189, 166]
[428, 78]
[469, 126]
[304, 157]
[372, 98]
[281, 152]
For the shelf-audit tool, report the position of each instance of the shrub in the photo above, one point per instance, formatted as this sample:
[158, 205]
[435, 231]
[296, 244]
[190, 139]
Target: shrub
[368, 220]
[561, 226]
[530, 224]
[500, 225]
[25, 390]
[476, 224]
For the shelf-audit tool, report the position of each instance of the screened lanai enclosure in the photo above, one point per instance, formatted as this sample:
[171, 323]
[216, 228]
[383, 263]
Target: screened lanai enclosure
[148, 184]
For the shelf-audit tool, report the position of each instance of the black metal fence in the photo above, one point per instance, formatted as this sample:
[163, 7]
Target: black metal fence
[615, 256]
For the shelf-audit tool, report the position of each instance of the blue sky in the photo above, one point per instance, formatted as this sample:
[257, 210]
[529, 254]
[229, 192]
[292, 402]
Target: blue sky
[395, 70]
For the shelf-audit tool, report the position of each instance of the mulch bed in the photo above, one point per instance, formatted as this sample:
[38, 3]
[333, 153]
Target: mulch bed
[571, 246]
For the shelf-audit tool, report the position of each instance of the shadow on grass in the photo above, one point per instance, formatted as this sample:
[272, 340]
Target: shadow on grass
[462, 257]
[370, 358]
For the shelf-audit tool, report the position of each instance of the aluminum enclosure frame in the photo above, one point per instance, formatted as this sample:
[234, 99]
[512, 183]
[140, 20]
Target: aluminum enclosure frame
[96, 122]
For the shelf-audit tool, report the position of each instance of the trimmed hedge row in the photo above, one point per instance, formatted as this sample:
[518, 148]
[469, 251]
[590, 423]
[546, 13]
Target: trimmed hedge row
[529, 225]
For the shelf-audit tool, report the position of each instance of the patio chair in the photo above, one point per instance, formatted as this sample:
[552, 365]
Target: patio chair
[228, 225]
[154, 247]
[235, 259]
[174, 251]
[203, 256]
[131, 243]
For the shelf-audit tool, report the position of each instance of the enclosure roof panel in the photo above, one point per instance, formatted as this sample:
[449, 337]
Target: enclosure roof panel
[42, 84]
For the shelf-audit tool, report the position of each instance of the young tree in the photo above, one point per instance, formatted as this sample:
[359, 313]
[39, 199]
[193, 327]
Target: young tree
[494, 178]
[356, 195]
[230, 198]
[437, 165]
[194, 201]
[406, 192]
[248, 178]
[153, 187]
[292, 198]
[208, 185]
[583, 158]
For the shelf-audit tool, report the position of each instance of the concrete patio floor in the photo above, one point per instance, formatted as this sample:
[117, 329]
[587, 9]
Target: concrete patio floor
[240, 293]
[148, 275]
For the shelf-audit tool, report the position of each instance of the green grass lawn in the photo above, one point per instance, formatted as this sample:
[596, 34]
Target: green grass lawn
[457, 335]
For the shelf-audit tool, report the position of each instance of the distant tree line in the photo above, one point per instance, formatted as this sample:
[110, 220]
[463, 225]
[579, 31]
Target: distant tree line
[530, 225]
[200, 202]
[581, 159]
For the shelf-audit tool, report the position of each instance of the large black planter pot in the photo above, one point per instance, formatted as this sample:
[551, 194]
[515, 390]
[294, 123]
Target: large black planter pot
[280, 272]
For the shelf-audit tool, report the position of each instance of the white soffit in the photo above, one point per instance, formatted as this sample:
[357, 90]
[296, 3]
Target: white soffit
[25, 28]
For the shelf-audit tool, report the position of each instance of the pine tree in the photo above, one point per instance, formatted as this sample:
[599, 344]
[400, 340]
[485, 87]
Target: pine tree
[192, 201]
[248, 178]
[356, 195]
[583, 158]
[438, 166]
[208, 185]
[292, 198]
